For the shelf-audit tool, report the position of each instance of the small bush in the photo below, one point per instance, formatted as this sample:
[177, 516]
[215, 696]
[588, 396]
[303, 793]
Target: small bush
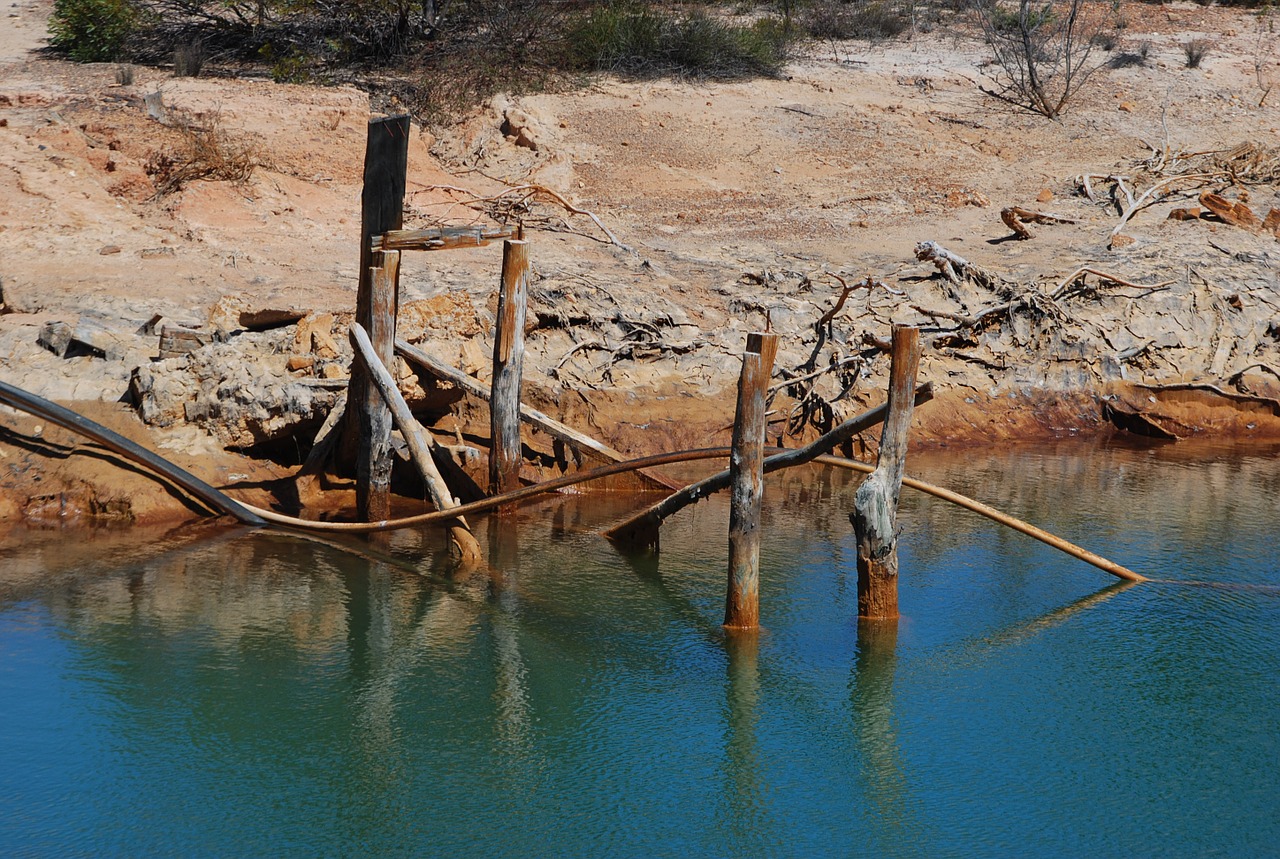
[92, 31]
[1195, 50]
[188, 60]
[1128, 58]
[205, 152]
[634, 38]
[871, 20]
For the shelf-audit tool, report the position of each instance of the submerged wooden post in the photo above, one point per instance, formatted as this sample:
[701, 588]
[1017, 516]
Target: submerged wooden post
[875, 505]
[746, 469]
[508, 365]
[419, 442]
[368, 434]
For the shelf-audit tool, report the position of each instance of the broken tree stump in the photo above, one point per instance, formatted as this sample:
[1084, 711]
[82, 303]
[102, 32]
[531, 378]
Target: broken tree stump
[746, 476]
[875, 506]
[419, 442]
[508, 365]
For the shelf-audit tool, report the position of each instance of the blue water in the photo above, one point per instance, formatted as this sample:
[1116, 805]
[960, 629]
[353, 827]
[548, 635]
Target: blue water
[231, 693]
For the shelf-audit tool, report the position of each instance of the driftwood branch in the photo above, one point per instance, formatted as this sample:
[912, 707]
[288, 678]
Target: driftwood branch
[1016, 218]
[536, 191]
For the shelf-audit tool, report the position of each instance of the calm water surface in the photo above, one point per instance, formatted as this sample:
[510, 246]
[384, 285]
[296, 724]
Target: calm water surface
[229, 693]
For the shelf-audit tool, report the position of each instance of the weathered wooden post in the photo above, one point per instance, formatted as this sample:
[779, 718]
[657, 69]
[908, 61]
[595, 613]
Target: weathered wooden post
[508, 365]
[875, 505]
[746, 467]
[386, 160]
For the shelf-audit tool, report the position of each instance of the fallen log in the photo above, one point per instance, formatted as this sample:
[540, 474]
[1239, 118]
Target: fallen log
[640, 531]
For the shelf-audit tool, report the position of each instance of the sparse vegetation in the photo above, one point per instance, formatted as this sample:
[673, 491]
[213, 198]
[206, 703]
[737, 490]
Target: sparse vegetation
[1195, 51]
[1137, 55]
[202, 152]
[638, 39]
[1043, 51]
[866, 19]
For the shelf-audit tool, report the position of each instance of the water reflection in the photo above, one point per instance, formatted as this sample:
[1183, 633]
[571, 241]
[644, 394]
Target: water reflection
[562, 700]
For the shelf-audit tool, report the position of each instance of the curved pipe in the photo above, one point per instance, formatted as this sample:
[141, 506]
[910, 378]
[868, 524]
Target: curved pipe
[656, 460]
[251, 515]
[113, 441]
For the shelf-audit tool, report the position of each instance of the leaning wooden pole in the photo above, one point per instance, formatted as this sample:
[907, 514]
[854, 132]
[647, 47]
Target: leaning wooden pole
[875, 505]
[508, 365]
[746, 478]
[465, 545]
[368, 431]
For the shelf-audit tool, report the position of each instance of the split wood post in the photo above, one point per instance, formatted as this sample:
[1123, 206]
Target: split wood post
[746, 468]
[420, 444]
[875, 505]
[386, 160]
[508, 365]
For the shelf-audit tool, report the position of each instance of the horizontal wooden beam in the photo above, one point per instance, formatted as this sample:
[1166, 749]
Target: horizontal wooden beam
[441, 238]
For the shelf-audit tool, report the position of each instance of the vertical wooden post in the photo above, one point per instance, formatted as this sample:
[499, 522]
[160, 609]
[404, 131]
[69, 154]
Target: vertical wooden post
[508, 365]
[373, 464]
[386, 159]
[875, 505]
[746, 475]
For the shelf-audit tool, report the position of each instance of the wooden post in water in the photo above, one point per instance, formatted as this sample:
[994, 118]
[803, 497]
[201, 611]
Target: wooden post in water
[386, 160]
[508, 365]
[875, 505]
[746, 467]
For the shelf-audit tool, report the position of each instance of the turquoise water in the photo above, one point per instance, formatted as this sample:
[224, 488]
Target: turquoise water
[229, 693]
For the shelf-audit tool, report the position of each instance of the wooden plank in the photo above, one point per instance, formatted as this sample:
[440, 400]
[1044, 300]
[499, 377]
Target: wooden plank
[640, 531]
[419, 442]
[875, 508]
[442, 238]
[580, 442]
[508, 367]
[746, 477]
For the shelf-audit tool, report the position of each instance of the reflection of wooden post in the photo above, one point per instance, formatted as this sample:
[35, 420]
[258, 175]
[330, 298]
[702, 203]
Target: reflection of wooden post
[386, 160]
[875, 505]
[746, 467]
[419, 442]
[508, 361]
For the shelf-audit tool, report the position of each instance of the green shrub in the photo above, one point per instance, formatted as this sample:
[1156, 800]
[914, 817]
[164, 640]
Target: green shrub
[632, 37]
[870, 20]
[92, 31]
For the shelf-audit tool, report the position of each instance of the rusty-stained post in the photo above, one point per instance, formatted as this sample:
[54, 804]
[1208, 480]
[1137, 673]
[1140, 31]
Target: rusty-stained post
[386, 160]
[746, 467]
[508, 361]
[875, 505]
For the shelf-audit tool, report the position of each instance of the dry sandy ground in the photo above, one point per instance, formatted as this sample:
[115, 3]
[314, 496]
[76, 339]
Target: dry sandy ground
[733, 201]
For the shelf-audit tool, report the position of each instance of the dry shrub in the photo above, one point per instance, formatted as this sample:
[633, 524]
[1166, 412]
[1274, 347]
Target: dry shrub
[203, 152]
